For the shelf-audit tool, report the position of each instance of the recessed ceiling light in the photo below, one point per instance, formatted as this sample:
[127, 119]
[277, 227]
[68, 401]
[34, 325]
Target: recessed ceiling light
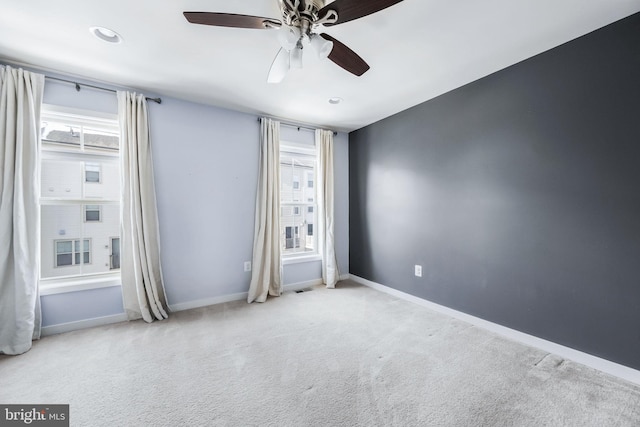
[106, 34]
[335, 100]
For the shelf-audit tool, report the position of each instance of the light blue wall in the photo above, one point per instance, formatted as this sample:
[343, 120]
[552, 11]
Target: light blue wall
[205, 166]
[206, 170]
[81, 305]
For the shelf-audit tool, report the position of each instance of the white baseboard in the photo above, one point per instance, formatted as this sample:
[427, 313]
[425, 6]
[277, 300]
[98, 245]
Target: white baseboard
[181, 306]
[82, 324]
[612, 368]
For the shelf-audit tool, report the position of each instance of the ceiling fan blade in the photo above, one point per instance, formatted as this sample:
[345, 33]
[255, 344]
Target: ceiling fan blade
[345, 57]
[232, 20]
[279, 67]
[348, 10]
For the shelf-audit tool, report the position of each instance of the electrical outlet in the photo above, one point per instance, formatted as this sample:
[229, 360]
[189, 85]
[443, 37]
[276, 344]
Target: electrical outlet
[418, 271]
[247, 266]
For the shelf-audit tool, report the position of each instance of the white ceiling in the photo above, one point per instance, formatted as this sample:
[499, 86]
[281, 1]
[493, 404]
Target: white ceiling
[417, 50]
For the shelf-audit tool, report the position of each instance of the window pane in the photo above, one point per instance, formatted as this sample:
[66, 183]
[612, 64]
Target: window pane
[92, 176]
[101, 140]
[92, 215]
[79, 163]
[115, 253]
[288, 238]
[62, 260]
[60, 134]
[63, 247]
[115, 245]
[297, 195]
[295, 167]
[61, 179]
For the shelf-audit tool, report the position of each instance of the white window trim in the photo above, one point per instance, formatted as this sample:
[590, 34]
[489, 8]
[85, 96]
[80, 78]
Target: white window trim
[300, 258]
[60, 285]
[78, 117]
[73, 252]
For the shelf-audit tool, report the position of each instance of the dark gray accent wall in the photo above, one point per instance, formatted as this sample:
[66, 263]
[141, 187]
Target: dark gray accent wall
[519, 194]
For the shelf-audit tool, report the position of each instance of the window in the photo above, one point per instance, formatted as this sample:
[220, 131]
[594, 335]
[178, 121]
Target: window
[91, 173]
[298, 203]
[92, 213]
[70, 252]
[292, 238]
[79, 196]
[115, 253]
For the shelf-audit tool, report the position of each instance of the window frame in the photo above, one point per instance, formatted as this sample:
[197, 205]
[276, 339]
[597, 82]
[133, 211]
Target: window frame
[73, 252]
[303, 205]
[95, 122]
[111, 239]
[85, 210]
[99, 171]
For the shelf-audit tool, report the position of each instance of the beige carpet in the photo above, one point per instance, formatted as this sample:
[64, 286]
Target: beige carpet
[343, 357]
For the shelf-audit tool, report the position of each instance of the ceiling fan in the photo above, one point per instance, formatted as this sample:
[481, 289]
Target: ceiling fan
[300, 27]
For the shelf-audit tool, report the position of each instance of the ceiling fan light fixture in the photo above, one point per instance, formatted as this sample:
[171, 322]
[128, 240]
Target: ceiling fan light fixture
[296, 57]
[106, 34]
[300, 20]
[321, 46]
[288, 37]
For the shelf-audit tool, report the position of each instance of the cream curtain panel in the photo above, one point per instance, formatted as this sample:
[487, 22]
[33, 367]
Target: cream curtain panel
[142, 285]
[326, 239]
[266, 277]
[20, 102]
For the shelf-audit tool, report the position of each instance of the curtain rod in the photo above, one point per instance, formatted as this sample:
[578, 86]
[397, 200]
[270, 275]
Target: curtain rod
[78, 85]
[294, 125]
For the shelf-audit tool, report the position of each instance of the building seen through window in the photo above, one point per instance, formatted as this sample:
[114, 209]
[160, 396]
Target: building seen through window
[298, 202]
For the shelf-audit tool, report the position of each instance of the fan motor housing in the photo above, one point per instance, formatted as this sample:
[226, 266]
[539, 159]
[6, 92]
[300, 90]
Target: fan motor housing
[307, 9]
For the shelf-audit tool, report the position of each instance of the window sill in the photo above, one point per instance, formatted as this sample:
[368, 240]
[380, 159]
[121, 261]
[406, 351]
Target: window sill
[300, 258]
[75, 284]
